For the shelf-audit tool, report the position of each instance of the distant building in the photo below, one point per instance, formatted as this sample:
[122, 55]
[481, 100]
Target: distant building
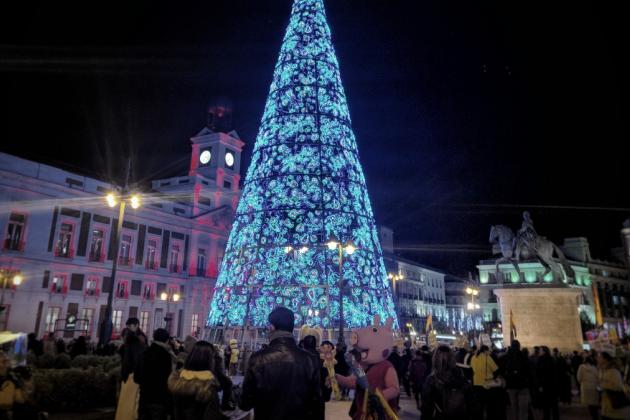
[608, 279]
[58, 236]
[460, 317]
[418, 290]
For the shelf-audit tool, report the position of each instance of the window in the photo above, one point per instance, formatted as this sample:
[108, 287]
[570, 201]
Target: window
[194, 325]
[148, 291]
[144, 320]
[87, 314]
[136, 287]
[15, 232]
[96, 247]
[201, 263]
[64, 241]
[125, 250]
[51, 318]
[117, 319]
[122, 289]
[152, 254]
[59, 284]
[174, 268]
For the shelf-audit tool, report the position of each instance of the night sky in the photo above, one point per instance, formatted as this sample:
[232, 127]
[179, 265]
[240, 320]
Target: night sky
[466, 113]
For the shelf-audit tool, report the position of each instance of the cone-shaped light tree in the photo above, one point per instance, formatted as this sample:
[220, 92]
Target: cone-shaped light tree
[304, 186]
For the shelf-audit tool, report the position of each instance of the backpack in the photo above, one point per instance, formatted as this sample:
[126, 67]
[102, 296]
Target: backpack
[452, 400]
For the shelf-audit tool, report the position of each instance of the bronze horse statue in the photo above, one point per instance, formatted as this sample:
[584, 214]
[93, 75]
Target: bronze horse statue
[522, 247]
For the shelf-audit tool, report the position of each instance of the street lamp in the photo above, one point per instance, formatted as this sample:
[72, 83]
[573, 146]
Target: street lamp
[349, 248]
[472, 305]
[112, 201]
[16, 279]
[169, 297]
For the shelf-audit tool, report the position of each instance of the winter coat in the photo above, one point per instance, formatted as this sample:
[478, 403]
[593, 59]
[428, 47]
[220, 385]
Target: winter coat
[516, 368]
[433, 395]
[152, 371]
[417, 373]
[195, 395]
[483, 367]
[588, 378]
[282, 382]
[610, 379]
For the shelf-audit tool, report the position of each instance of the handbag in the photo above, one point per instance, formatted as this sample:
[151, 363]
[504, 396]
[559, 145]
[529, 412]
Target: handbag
[618, 399]
[497, 382]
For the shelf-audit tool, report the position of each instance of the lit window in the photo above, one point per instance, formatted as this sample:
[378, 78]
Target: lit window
[122, 290]
[194, 325]
[91, 288]
[174, 268]
[125, 250]
[117, 319]
[152, 254]
[64, 241]
[58, 284]
[15, 232]
[87, 314]
[51, 318]
[144, 320]
[96, 247]
[148, 291]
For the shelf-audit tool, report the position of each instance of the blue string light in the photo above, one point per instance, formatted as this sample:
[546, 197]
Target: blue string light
[304, 184]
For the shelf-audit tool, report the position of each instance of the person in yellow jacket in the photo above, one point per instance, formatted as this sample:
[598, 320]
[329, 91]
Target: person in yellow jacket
[483, 367]
[233, 357]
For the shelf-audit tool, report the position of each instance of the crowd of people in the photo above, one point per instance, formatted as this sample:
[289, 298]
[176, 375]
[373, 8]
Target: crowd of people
[163, 378]
[516, 384]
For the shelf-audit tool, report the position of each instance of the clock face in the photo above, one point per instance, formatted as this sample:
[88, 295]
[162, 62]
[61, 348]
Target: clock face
[204, 157]
[229, 159]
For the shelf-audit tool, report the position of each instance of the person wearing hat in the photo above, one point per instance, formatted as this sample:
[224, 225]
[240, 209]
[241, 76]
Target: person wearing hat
[282, 381]
[130, 352]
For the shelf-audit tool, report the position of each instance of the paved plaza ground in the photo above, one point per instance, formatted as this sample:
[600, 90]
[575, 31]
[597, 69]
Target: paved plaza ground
[337, 410]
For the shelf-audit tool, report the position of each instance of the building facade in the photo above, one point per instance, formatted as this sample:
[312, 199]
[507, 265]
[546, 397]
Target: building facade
[418, 290]
[604, 285]
[59, 239]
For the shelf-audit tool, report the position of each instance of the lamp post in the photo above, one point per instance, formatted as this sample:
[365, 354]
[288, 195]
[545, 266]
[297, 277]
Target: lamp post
[169, 297]
[16, 280]
[349, 248]
[113, 201]
[472, 306]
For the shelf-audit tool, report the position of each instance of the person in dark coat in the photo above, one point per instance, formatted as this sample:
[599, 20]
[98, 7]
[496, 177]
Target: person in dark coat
[446, 394]
[417, 375]
[151, 374]
[34, 345]
[342, 368]
[281, 381]
[195, 388]
[517, 375]
[79, 347]
[547, 386]
[406, 358]
[309, 344]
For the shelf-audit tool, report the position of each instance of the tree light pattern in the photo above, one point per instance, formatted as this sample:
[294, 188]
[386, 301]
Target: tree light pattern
[304, 185]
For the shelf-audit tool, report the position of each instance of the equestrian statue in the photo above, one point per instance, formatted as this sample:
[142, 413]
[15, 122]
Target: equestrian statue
[527, 245]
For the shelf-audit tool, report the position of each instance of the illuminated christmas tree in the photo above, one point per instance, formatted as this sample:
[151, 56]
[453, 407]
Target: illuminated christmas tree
[304, 185]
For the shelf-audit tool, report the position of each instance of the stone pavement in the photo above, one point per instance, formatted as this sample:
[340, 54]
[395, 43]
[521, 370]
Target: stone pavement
[338, 410]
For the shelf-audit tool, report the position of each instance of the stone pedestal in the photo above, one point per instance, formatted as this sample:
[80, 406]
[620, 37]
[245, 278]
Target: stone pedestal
[543, 316]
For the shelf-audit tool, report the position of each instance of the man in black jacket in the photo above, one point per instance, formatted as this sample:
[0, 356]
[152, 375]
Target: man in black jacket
[517, 378]
[282, 381]
[152, 372]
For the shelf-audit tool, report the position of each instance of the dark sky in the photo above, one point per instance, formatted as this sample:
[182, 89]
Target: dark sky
[465, 112]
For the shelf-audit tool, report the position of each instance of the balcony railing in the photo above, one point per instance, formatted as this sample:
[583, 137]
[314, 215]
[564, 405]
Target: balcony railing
[93, 292]
[11, 245]
[174, 268]
[151, 265]
[125, 261]
[61, 253]
[97, 257]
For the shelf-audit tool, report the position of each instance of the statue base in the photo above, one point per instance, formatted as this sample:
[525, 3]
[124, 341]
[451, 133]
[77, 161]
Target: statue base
[543, 316]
